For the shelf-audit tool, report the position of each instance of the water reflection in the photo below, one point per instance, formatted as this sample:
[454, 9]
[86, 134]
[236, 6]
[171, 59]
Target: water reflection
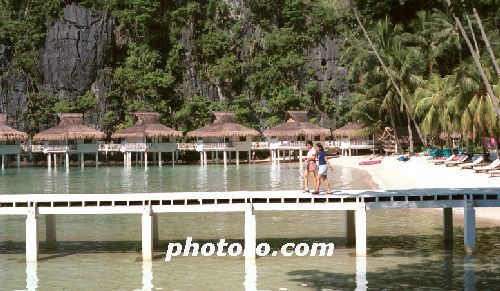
[250, 274]
[361, 282]
[31, 276]
[202, 177]
[224, 177]
[469, 273]
[274, 175]
[147, 275]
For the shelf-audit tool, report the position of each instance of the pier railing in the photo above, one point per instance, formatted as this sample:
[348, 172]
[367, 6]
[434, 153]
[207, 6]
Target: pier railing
[356, 203]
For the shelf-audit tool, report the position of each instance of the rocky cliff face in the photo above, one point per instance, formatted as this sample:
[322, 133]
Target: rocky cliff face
[322, 58]
[14, 88]
[78, 47]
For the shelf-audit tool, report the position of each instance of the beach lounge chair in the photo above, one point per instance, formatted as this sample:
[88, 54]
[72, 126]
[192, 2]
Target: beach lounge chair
[461, 160]
[480, 169]
[494, 173]
[474, 163]
[438, 162]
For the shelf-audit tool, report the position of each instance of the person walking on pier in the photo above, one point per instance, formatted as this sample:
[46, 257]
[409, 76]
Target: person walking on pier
[322, 171]
[310, 165]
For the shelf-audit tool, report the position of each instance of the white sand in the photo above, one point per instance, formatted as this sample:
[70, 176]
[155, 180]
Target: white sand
[418, 173]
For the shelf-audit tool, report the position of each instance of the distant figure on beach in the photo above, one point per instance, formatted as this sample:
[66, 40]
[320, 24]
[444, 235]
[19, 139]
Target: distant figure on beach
[323, 169]
[310, 165]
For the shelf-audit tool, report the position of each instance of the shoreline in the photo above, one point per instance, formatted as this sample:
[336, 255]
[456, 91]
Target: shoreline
[417, 173]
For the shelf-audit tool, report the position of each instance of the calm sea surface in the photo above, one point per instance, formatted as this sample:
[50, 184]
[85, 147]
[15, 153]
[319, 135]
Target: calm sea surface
[103, 252]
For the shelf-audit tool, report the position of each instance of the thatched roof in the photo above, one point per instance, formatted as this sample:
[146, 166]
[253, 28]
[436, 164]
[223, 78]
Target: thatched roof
[296, 123]
[350, 129]
[7, 133]
[147, 125]
[224, 125]
[70, 127]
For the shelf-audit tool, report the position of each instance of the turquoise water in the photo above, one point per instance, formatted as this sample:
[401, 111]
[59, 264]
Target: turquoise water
[103, 252]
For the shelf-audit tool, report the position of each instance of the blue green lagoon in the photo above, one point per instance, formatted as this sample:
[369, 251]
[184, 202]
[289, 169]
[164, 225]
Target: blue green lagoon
[103, 252]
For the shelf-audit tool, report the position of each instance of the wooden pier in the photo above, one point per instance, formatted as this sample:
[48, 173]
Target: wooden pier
[355, 203]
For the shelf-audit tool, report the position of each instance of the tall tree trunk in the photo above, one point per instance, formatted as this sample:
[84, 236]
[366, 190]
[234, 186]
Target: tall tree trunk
[393, 124]
[487, 42]
[410, 133]
[475, 56]
[472, 33]
[405, 104]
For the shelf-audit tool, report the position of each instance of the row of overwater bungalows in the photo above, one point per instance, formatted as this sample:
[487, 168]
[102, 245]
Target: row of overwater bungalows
[148, 136]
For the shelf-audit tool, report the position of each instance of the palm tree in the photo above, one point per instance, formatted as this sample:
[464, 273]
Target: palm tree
[403, 101]
[432, 106]
[477, 61]
[435, 35]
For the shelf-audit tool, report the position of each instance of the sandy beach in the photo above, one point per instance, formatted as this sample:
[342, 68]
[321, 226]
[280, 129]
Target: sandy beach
[418, 173]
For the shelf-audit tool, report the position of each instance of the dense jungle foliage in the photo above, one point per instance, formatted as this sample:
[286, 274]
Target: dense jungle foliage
[418, 40]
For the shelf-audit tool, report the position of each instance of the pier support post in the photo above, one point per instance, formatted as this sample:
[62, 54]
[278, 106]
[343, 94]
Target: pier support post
[49, 161]
[205, 157]
[159, 159]
[156, 234]
[249, 157]
[67, 160]
[50, 231]
[145, 159]
[360, 218]
[31, 235]
[448, 226]
[3, 161]
[300, 156]
[147, 234]
[237, 157]
[97, 159]
[469, 226]
[82, 160]
[225, 158]
[216, 156]
[173, 158]
[250, 233]
[18, 160]
[55, 160]
[350, 228]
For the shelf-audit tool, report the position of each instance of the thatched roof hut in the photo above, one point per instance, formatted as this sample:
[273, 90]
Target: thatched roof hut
[297, 123]
[70, 127]
[351, 129]
[7, 133]
[224, 125]
[147, 125]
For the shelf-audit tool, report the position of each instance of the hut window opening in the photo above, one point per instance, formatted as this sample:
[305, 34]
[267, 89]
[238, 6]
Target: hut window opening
[88, 140]
[316, 137]
[8, 142]
[301, 138]
[226, 139]
[243, 138]
[149, 140]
